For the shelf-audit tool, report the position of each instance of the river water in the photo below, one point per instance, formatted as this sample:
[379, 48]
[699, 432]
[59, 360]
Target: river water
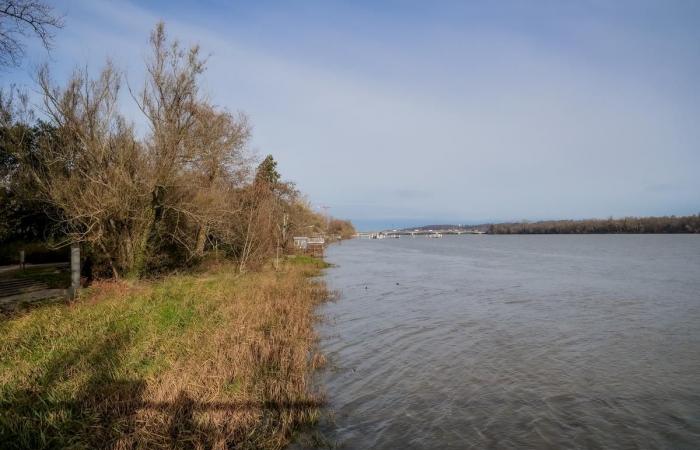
[578, 341]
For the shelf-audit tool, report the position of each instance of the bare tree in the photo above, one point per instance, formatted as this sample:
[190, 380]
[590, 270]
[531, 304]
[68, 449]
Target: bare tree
[163, 200]
[201, 202]
[170, 100]
[92, 168]
[21, 19]
[217, 165]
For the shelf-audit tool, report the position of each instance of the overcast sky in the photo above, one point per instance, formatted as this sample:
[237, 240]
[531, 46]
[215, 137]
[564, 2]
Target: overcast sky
[411, 112]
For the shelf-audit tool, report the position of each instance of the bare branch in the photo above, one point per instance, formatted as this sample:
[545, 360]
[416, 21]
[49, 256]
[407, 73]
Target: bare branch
[21, 19]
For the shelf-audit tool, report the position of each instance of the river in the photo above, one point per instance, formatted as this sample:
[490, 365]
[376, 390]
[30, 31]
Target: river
[556, 341]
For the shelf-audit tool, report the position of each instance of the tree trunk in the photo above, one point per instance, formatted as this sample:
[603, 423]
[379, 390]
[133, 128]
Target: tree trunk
[201, 241]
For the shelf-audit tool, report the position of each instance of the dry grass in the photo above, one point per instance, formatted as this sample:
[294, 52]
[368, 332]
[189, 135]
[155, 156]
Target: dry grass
[213, 360]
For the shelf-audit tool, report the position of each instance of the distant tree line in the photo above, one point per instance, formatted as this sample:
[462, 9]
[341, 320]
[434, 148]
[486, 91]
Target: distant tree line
[666, 224]
[143, 202]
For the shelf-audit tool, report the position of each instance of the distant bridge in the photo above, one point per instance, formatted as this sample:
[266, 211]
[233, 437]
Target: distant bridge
[397, 233]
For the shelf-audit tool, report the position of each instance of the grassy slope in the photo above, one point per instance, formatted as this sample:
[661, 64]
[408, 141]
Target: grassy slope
[191, 361]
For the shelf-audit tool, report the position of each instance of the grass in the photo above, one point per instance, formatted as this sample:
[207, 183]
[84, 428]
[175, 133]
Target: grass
[308, 261]
[212, 360]
[54, 277]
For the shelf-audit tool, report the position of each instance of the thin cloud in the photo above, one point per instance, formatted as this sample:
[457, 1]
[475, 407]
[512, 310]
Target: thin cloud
[472, 115]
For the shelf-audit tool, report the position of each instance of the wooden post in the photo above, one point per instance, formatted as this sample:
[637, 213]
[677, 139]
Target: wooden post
[21, 259]
[74, 271]
[284, 241]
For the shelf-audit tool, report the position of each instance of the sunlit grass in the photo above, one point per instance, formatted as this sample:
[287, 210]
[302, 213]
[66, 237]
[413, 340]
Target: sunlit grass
[308, 261]
[209, 360]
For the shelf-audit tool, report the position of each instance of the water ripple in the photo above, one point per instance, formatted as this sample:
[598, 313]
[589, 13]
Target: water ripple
[515, 342]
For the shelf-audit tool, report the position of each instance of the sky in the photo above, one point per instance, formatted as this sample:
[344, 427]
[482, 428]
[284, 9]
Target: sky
[402, 113]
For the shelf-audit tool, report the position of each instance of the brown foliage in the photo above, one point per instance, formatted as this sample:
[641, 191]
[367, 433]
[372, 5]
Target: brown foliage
[165, 199]
[342, 228]
[91, 169]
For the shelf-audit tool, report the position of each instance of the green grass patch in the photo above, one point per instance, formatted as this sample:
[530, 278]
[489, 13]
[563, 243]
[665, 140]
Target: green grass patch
[308, 261]
[163, 364]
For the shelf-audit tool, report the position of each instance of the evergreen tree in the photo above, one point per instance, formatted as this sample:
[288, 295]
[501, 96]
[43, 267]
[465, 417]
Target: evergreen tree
[267, 172]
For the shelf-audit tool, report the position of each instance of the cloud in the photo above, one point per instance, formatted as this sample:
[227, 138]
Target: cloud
[450, 112]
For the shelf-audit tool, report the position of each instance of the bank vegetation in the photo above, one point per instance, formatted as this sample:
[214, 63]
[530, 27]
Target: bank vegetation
[195, 329]
[210, 359]
[667, 224]
[150, 201]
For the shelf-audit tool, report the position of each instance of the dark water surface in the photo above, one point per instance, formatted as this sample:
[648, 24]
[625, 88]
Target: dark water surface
[514, 342]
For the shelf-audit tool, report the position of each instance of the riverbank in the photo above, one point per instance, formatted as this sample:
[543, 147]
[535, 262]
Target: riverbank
[210, 360]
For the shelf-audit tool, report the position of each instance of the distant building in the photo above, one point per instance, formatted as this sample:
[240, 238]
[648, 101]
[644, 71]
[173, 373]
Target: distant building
[301, 242]
[310, 245]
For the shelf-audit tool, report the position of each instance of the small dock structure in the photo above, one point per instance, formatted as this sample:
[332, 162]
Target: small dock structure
[313, 246]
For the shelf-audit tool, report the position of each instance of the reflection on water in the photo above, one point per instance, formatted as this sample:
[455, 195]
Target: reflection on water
[514, 342]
